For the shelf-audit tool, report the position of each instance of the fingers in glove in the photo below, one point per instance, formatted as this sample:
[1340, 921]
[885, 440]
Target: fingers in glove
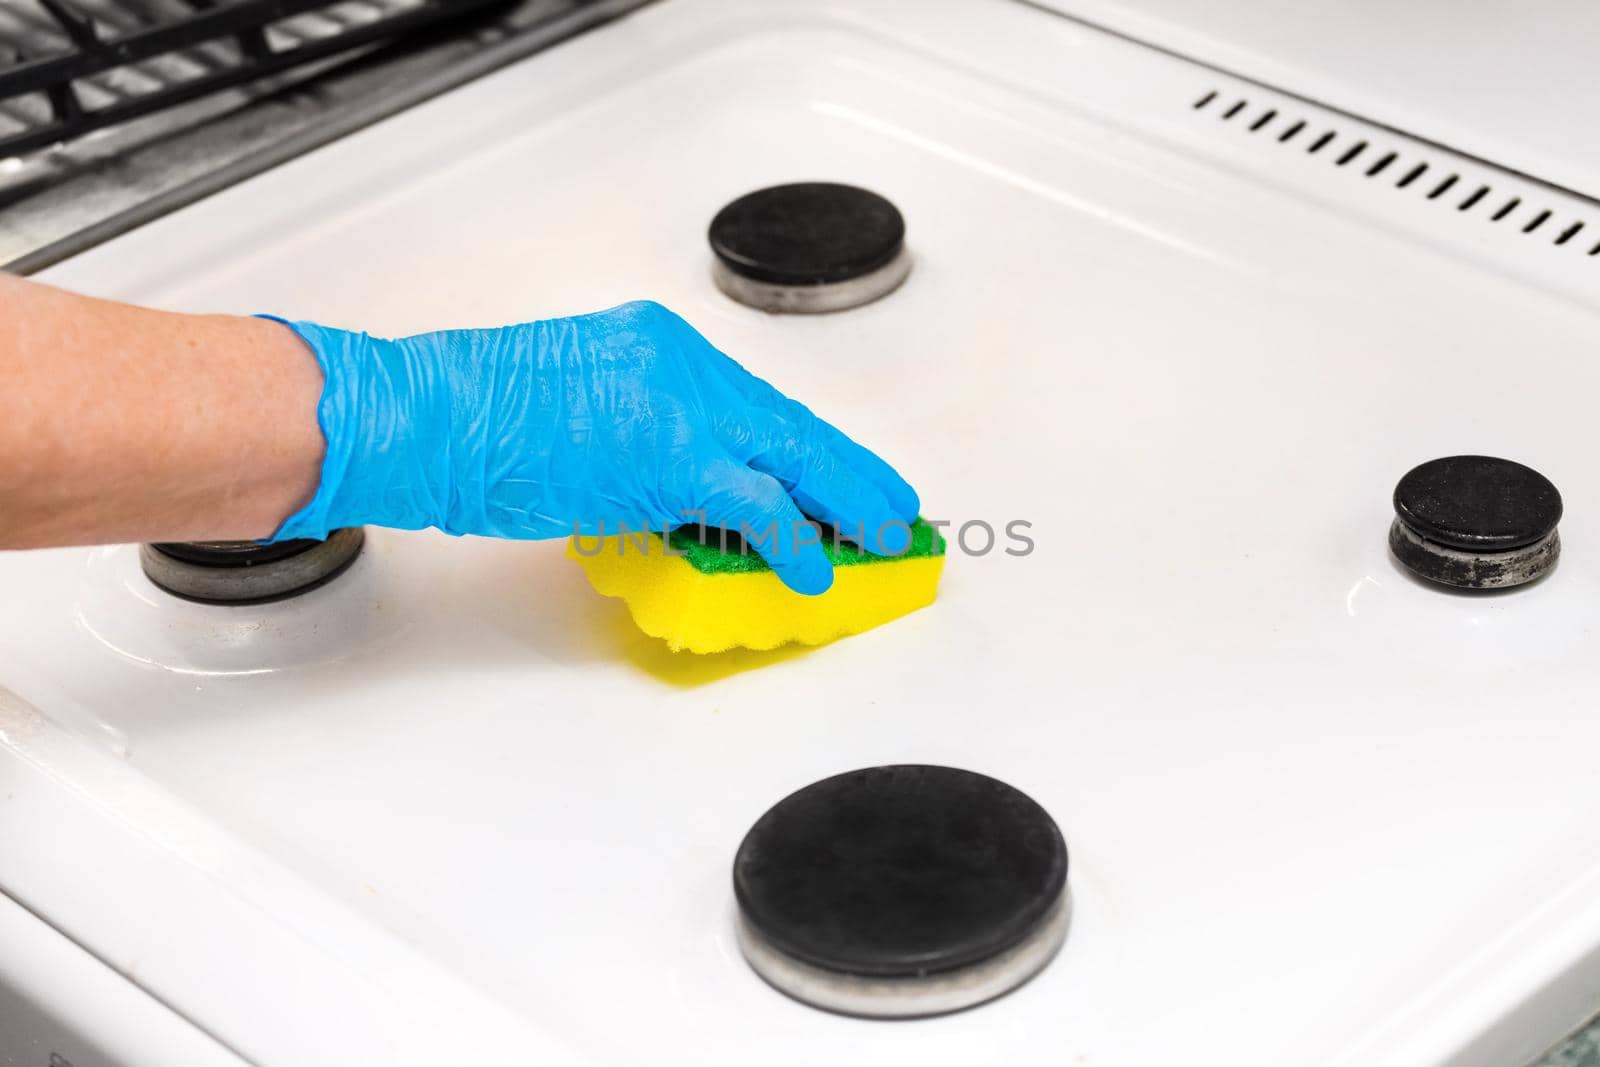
[903, 500]
[761, 510]
[763, 397]
[826, 487]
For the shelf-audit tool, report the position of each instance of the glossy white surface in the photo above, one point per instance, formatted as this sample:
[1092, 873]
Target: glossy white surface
[1319, 814]
[58, 1004]
[1512, 83]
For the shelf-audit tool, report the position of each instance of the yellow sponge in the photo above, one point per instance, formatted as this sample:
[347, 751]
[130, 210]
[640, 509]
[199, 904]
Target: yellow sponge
[704, 598]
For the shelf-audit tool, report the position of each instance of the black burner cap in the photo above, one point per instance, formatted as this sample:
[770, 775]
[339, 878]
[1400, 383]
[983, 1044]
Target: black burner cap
[900, 870]
[808, 233]
[1478, 503]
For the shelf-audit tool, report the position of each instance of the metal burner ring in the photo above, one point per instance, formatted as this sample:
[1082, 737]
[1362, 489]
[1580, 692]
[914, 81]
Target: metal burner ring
[813, 299]
[1465, 569]
[908, 996]
[243, 580]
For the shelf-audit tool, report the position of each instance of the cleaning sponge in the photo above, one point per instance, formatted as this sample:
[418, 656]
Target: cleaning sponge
[705, 597]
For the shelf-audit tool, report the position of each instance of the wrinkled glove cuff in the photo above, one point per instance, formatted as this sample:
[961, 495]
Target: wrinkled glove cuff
[373, 470]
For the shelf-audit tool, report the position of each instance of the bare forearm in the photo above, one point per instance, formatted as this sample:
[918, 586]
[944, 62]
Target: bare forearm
[119, 423]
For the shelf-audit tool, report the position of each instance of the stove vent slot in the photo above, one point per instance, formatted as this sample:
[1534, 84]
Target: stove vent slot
[1357, 155]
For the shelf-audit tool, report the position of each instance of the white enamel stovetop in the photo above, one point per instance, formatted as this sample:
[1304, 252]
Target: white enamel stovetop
[453, 809]
[1509, 82]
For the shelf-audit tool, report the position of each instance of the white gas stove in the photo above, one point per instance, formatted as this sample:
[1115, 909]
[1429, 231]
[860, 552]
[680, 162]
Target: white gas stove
[451, 807]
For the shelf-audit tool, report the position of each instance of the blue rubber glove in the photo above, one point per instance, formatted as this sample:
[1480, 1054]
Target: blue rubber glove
[556, 427]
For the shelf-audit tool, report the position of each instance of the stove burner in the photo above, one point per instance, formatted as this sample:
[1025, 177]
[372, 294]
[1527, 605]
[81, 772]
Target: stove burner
[244, 572]
[809, 247]
[1476, 522]
[901, 891]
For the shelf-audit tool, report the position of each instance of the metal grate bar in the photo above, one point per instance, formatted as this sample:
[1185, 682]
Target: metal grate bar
[90, 64]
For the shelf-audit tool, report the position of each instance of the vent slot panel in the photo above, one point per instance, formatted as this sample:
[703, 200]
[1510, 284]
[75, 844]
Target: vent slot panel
[1406, 169]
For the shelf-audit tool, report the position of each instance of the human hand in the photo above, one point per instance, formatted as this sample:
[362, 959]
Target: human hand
[576, 425]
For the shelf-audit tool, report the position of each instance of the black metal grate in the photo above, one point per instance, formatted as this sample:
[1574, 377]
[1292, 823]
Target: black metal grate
[71, 66]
